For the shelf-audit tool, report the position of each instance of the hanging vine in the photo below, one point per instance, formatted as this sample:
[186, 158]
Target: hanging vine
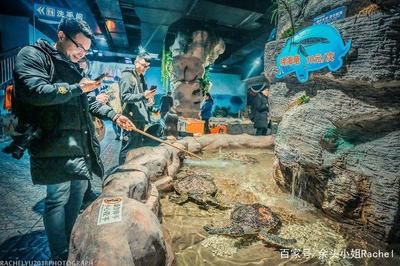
[166, 69]
[205, 82]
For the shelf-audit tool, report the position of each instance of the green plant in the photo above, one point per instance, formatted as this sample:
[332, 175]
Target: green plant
[299, 101]
[205, 82]
[166, 68]
[279, 7]
[303, 99]
[287, 33]
[221, 111]
[274, 13]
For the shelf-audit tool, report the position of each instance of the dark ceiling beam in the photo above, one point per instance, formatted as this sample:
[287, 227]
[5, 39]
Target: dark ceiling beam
[161, 9]
[132, 26]
[251, 5]
[252, 45]
[252, 17]
[156, 17]
[191, 7]
[110, 10]
[254, 40]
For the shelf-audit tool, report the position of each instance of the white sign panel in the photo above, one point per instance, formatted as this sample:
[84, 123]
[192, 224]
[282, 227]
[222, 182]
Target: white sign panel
[110, 211]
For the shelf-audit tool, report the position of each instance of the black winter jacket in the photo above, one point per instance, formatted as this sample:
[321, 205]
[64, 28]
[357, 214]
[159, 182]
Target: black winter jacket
[259, 111]
[48, 95]
[132, 86]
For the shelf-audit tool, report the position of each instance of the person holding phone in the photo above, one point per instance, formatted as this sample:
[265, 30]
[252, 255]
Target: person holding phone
[137, 99]
[51, 96]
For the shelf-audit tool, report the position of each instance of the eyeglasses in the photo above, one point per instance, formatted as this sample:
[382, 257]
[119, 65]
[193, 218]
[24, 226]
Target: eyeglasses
[78, 45]
[144, 65]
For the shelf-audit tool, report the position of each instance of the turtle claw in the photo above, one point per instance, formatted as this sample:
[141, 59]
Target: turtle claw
[217, 230]
[204, 207]
[178, 199]
[209, 228]
[215, 203]
[223, 207]
[243, 242]
[276, 240]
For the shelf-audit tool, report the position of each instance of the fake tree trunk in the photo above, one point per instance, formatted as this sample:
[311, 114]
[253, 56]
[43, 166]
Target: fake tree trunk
[190, 58]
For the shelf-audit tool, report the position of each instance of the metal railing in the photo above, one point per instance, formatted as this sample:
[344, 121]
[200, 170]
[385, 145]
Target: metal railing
[7, 63]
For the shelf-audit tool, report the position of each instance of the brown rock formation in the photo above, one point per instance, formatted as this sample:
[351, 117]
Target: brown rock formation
[138, 238]
[189, 62]
[341, 151]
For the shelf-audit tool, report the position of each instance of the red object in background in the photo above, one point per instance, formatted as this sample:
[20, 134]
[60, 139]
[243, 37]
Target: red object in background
[8, 97]
[194, 126]
[219, 129]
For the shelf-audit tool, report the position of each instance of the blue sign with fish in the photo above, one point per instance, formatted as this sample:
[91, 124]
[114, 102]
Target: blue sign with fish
[312, 49]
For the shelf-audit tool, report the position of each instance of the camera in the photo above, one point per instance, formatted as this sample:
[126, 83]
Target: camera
[21, 142]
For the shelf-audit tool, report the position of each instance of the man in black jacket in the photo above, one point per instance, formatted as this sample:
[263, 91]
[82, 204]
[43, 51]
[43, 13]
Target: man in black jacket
[50, 94]
[135, 98]
[259, 108]
[166, 103]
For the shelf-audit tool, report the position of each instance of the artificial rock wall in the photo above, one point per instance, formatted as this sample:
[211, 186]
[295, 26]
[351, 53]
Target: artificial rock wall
[190, 57]
[341, 150]
[139, 238]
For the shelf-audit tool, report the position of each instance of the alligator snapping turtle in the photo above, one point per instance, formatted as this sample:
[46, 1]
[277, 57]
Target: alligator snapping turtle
[198, 187]
[243, 158]
[253, 220]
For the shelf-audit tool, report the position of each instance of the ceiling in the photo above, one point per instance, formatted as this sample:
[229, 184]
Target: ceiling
[121, 26]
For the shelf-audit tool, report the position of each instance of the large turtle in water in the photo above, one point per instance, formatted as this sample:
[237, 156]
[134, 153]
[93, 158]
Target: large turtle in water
[243, 158]
[198, 187]
[253, 220]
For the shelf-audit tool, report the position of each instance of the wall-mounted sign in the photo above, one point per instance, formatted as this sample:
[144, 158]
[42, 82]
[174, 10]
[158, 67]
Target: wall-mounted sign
[311, 49]
[54, 13]
[331, 16]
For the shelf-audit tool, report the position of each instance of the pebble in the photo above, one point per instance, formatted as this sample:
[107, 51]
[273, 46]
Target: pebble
[220, 245]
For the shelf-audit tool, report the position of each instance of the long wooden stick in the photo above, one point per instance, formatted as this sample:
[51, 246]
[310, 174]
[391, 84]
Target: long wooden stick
[162, 141]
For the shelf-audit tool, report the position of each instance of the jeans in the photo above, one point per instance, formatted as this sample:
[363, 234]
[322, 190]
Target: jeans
[117, 130]
[62, 205]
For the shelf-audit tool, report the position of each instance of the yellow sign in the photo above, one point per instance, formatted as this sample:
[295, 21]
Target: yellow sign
[62, 90]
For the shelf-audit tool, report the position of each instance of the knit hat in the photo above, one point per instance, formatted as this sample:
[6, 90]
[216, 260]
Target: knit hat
[258, 88]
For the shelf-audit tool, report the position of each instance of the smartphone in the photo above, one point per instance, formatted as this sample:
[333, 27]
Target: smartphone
[153, 87]
[102, 76]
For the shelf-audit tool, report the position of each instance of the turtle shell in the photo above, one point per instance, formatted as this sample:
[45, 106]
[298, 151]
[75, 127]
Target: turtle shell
[243, 158]
[255, 215]
[195, 184]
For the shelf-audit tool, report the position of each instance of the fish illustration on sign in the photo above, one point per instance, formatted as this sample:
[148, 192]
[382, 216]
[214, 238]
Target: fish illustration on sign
[311, 49]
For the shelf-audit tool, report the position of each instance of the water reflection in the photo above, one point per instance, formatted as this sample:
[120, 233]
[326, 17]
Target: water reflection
[321, 241]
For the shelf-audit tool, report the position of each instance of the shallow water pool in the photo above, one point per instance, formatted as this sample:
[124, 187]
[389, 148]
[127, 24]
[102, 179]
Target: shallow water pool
[321, 240]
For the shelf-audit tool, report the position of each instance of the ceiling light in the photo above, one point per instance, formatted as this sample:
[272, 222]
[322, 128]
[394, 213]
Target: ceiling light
[257, 61]
[111, 26]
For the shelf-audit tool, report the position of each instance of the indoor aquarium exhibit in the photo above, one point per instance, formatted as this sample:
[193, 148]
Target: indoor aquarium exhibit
[200, 132]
